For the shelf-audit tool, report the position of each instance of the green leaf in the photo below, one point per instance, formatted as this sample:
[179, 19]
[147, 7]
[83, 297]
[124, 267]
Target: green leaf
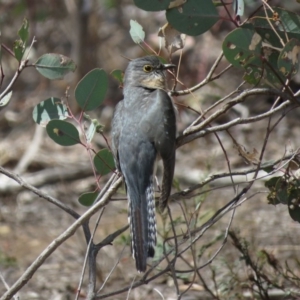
[194, 17]
[5, 100]
[118, 74]
[88, 199]
[284, 22]
[288, 60]
[265, 73]
[19, 49]
[136, 31]
[152, 5]
[90, 91]
[49, 109]
[272, 182]
[268, 166]
[278, 190]
[294, 200]
[63, 133]
[243, 47]
[294, 211]
[104, 162]
[54, 66]
[24, 31]
[272, 77]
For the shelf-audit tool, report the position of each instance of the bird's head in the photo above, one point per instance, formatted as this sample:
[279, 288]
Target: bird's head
[146, 72]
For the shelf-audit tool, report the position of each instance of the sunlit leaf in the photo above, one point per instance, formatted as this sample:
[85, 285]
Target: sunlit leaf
[136, 31]
[5, 100]
[238, 7]
[50, 109]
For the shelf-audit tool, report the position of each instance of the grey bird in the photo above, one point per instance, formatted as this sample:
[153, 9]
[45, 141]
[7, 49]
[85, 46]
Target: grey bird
[144, 130]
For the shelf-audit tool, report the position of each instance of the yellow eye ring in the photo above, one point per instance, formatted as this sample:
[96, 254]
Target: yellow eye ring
[147, 68]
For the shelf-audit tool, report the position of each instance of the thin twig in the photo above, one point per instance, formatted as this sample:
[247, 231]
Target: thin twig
[111, 271]
[87, 256]
[206, 80]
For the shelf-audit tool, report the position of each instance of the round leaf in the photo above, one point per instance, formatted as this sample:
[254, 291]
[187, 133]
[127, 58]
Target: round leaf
[87, 199]
[152, 5]
[90, 91]
[194, 17]
[50, 109]
[104, 162]
[242, 47]
[54, 66]
[63, 133]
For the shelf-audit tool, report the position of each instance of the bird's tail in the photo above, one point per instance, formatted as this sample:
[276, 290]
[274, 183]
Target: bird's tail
[141, 217]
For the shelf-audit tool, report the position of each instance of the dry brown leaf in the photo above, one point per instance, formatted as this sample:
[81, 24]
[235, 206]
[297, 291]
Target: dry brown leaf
[249, 157]
[174, 40]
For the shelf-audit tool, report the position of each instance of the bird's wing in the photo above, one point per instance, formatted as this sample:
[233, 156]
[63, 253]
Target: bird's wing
[163, 132]
[117, 122]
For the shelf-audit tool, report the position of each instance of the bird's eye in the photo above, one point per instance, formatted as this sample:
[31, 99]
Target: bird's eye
[147, 68]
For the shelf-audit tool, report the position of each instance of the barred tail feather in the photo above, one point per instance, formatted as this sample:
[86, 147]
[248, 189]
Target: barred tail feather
[141, 217]
[151, 219]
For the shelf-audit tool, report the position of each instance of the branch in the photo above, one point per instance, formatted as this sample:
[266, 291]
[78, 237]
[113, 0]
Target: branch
[39, 193]
[206, 80]
[23, 64]
[187, 193]
[193, 132]
[183, 139]
[46, 176]
[240, 98]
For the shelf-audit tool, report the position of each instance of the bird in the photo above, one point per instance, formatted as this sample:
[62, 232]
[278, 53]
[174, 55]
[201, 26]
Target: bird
[144, 131]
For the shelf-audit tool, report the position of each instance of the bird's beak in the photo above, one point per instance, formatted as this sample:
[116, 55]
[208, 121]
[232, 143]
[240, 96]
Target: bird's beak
[169, 66]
